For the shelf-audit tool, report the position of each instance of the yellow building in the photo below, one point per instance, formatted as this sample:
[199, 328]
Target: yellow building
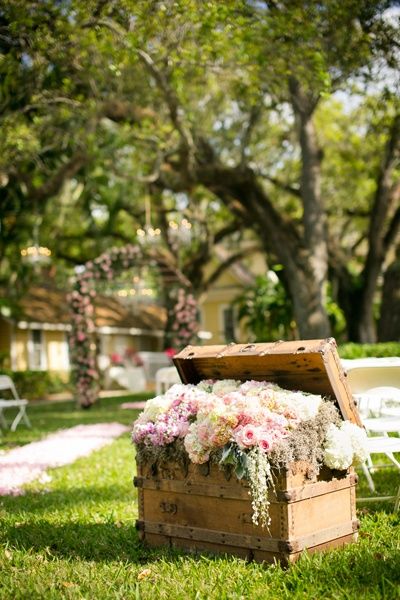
[218, 319]
[38, 338]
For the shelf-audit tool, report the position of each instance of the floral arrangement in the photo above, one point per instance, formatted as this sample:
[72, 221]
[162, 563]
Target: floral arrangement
[132, 358]
[116, 359]
[250, 427]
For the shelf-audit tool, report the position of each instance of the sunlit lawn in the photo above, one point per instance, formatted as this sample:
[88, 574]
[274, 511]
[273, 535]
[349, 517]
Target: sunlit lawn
[75, 536]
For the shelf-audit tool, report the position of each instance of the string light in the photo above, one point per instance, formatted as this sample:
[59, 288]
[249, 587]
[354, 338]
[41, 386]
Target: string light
[148, 234]
[180, 232]
[177, 231]
[36, 254]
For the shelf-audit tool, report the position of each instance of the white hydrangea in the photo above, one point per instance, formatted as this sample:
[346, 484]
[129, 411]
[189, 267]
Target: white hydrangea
[205, 385]
[155, 407]
[358, 439]
[304, 406]
[178, 390]
[224, 386]
[338, 450]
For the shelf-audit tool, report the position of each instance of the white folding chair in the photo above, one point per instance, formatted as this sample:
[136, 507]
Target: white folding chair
[381, 445]
[379, 442]
[165, 378]
[375, 384]
[379, 401]
[6, 383]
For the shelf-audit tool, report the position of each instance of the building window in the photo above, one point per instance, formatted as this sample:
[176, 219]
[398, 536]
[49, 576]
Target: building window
[228, 322]
[36, 351]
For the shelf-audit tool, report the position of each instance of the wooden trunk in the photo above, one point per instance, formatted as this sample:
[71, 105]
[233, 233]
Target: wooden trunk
[198, 509]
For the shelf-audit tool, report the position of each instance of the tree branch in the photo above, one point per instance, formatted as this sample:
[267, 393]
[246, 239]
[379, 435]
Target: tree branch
[385, 193]
[170, 97]
[50, 101]
[253, 118]
[393, 230]
[228, 262]
[53, 185]
[280, 184]
[232, 227]
[171, 100]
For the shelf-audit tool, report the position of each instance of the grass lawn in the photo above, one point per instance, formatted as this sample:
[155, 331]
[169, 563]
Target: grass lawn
[75, 537]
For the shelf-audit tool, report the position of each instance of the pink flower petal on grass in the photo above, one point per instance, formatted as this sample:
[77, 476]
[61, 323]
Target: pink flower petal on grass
[28, 463]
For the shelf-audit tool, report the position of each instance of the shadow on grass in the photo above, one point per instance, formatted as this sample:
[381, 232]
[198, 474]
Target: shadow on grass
[90, 541]
[64, 499]
[356, 569]
[373, 563]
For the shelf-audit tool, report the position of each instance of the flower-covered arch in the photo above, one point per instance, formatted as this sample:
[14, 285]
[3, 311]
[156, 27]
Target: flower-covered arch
[82, 342]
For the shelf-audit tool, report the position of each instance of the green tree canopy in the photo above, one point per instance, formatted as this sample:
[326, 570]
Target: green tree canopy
[234, 105]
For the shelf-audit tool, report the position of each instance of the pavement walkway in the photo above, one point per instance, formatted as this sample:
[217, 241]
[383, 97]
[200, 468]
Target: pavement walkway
[30, 462]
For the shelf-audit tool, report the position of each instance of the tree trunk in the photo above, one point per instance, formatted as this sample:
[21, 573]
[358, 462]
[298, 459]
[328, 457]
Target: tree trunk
[389, 322]
[378, 244]
[314, 214]
[244, 196]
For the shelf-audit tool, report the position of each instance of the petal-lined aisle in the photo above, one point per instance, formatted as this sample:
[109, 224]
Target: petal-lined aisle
[27, 463]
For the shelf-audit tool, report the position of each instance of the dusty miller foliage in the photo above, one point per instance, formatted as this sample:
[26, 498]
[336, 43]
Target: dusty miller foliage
[305, 443]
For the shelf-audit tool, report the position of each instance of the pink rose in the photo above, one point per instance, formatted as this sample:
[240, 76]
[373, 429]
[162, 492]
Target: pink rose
[246, 436]
[265, 441]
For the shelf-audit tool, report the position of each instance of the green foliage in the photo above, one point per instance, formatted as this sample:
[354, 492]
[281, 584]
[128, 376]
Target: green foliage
[381, 350]
[37, 385]
[336, 317]
[265, 309]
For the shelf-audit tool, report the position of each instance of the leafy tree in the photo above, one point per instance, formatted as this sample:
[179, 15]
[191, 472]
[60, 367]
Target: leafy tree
[336, 42]
[223, 102]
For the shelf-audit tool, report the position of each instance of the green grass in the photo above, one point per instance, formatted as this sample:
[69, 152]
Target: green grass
[49, 417]
[75, 537]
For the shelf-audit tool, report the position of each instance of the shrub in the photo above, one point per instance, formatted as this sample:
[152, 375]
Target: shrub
[36, 385]
[380, 350]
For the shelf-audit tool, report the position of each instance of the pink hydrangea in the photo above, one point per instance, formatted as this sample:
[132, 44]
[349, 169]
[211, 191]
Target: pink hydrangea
[214, 414]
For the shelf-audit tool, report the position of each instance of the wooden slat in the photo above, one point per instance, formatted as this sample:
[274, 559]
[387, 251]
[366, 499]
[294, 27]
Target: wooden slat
[314, 514]
[261, 556]
[198, 534]
[193, 488]
[233, 516]
[238, 492]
